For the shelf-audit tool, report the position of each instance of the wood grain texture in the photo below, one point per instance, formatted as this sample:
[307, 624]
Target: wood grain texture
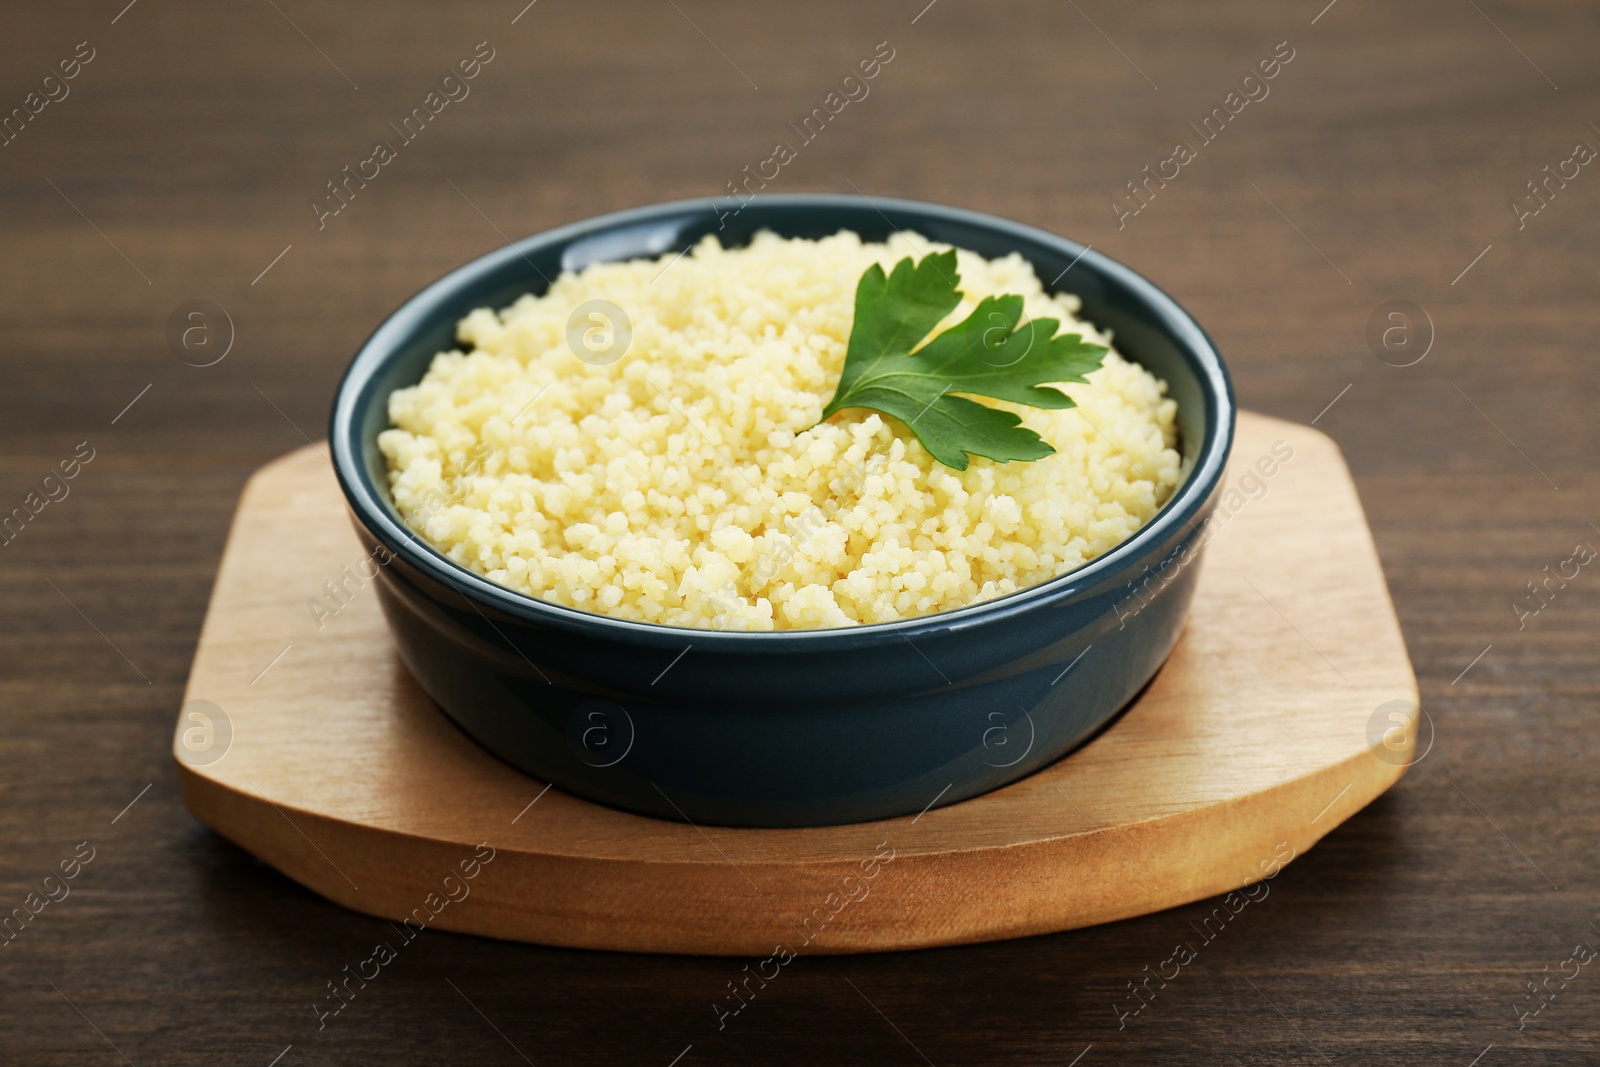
[1394, 142]
[303, 739]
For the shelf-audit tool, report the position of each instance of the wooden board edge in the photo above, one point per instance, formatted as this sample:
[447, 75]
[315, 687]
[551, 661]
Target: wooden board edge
[999, 893]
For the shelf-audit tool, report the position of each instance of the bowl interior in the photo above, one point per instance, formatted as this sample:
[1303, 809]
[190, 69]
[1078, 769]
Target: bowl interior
[1147, 326]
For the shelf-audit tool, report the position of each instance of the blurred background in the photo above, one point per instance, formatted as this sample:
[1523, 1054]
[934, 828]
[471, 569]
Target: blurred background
[1426, 160]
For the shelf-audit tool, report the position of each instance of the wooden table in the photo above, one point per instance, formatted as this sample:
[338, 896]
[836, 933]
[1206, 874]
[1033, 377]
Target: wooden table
[180, 163]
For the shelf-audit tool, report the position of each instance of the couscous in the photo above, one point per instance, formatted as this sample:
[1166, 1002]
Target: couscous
[688, 482]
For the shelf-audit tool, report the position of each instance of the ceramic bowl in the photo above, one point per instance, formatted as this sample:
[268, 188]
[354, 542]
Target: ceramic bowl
[790, 728]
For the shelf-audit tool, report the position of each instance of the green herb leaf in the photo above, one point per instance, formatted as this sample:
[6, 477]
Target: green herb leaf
[986, 354]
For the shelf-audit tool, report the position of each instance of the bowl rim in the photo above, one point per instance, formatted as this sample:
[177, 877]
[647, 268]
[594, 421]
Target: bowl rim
[370, 509]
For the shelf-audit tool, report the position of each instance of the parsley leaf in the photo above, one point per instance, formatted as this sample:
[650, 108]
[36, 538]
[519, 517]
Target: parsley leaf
[986, 354]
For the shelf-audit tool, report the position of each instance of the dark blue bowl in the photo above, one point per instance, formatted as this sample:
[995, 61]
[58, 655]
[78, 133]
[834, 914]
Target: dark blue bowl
[793, 728]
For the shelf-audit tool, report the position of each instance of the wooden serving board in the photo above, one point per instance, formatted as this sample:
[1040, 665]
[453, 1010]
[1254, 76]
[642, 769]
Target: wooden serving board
[310, 746]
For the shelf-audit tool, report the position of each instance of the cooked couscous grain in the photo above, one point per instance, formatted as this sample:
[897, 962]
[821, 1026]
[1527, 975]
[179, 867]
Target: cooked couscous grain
[688, 484]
